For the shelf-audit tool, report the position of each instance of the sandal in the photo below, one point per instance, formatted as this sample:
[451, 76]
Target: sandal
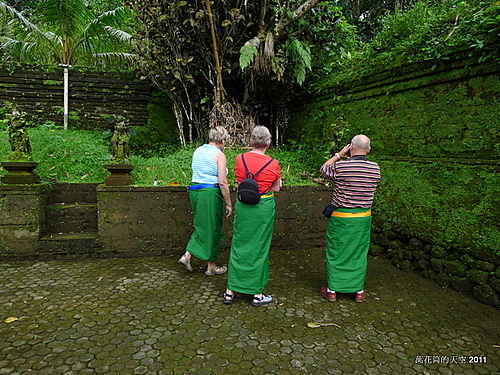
[264, 300]
[228, 298]
[217, 270]
[186, 263]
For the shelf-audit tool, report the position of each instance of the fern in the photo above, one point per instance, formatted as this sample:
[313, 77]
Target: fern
[247, 55]
[301, 56]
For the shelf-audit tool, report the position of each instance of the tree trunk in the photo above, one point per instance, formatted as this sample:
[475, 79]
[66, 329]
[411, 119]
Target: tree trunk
[219, 87]
[180, 123]
[356, 9]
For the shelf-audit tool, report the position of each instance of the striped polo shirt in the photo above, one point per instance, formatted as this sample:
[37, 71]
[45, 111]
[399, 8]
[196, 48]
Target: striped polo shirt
[204, 165]
[356, 180]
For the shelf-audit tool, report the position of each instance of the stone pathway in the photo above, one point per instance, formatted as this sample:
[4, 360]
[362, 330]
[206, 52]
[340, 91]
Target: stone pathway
[150, 316]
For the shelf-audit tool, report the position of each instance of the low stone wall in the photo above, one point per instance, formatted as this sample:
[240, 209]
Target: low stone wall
[143, 221]
[157, 221]
[474, 274]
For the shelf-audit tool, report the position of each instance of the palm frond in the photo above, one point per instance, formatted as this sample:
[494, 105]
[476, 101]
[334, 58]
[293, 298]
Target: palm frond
[119, 35]
[30, 32]
[67, 33]
[115, 17]
[111, 18]
[67, 17]
[115, 58]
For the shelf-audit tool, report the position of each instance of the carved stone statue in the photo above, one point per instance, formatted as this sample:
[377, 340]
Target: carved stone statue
[18, 137]
[120, 141]
[120, 168]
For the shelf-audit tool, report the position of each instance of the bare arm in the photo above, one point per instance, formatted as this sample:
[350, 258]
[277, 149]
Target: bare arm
[326, 170]
[338, 156]
[277, 185]
[221, 161]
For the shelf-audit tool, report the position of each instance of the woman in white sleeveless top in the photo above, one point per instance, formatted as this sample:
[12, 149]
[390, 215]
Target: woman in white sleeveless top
[209, 193]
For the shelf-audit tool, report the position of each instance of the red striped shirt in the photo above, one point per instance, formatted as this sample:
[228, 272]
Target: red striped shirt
[356, 180]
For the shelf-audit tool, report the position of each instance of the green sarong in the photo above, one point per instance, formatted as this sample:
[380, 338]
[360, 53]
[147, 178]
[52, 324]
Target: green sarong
[253, 226]
[207, 205]
[347, 245]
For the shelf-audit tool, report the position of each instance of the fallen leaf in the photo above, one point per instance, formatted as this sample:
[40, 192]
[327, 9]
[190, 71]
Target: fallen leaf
[85, 176]
[53, 167]
[67, 174]
[149, 168]
[317, 325]
[174, 184]
[11, 319]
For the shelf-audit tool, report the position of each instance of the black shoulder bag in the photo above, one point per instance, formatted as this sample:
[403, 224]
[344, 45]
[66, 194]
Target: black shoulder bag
[248, 189]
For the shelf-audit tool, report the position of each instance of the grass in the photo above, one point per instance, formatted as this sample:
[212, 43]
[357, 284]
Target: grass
[80, 156]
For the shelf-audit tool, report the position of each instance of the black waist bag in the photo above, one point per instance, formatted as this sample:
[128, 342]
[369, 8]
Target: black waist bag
[248, 189]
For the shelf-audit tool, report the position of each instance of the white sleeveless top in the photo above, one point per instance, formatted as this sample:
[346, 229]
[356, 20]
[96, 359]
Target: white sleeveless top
[204, 166]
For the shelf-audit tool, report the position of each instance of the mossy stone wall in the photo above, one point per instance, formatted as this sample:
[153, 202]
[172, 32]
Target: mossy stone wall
[435, 132]
[155, 221]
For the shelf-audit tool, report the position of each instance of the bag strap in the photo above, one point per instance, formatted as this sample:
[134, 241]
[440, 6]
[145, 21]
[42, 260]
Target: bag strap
[260, 170]
[249, 175]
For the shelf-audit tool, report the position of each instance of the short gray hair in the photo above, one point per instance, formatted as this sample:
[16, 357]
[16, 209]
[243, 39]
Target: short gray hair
[218, 134]
[261, 137]
[361, 141]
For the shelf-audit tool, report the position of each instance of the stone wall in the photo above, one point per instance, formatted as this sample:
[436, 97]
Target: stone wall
[22, 219]
[93, 96]
[143, 221]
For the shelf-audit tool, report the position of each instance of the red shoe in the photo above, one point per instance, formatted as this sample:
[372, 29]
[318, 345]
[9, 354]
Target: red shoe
[360, 297]
[330, 296]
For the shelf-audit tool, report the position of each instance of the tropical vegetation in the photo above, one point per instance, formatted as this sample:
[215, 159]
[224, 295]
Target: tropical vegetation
[420, 31]
[65, 32]
[240, 62]
[235, 57]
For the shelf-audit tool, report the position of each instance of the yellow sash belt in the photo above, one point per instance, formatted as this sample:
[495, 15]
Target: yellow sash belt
[268, 195]
[348, 214]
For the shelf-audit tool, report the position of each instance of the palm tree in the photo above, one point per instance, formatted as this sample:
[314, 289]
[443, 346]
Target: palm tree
[65, 32]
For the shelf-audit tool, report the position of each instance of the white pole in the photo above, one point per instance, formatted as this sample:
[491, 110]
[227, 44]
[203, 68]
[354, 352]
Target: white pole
[66, 95]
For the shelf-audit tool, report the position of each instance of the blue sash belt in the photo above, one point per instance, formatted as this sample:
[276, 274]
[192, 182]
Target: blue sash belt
[202, 186]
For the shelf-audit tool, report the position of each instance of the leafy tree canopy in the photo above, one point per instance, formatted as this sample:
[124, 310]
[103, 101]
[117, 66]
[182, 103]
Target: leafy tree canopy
[238, 56]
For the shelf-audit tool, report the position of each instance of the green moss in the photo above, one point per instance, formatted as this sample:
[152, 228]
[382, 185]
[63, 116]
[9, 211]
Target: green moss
[160, 132]
[51, 82]
[449, 205]
[436, 138]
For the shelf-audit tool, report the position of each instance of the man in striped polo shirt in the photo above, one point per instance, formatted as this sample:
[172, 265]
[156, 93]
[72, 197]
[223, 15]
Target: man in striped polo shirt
[349, 226]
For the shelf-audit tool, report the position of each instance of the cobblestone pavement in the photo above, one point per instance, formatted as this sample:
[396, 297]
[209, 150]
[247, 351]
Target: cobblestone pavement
[150, 316]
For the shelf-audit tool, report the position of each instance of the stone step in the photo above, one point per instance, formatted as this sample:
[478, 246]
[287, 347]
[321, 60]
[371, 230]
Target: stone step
[71, 218]
[69, 246]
